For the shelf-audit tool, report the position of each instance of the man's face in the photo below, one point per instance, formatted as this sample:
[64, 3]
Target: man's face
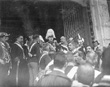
[76, 55]
[31, 37]
[20, 39]
[89, 49]
[3, 39]
[71, 46]
[6, 38]
[95, 44]
[62, 39]
[50, 38]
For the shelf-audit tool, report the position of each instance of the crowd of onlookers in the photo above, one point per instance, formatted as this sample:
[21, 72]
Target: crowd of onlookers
[74, 64]
[38, 63]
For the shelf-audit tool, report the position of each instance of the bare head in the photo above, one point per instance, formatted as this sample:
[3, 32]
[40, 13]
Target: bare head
[91, 58]
[85, 74]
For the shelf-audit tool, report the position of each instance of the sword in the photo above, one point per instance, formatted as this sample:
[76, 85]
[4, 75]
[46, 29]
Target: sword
[17, 73]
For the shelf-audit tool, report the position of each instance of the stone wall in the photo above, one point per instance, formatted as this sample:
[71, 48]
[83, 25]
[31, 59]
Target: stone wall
[101, 21]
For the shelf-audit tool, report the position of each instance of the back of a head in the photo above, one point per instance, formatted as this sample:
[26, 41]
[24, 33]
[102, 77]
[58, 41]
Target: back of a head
[106, 60]
[81, 54]
[74, 43]
[60, 60]
[35, 36]
[85, 74]
[79, 57]
[45, 47]
[91, 58]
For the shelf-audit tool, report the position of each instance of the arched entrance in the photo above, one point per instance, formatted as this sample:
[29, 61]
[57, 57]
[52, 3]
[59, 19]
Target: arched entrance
[77, 20]
[67, 18]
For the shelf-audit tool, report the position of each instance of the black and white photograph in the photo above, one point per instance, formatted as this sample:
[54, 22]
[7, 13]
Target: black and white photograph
[54, 43]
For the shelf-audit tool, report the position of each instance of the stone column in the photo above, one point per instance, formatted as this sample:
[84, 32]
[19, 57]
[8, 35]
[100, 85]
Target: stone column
[101, 22]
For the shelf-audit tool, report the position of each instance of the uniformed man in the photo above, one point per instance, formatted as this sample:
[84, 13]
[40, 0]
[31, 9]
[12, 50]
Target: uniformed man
[64, 45]
[50, 36]
[72, 49]
[98, 49]
[19, 72]
[5, 59]
[34, 53]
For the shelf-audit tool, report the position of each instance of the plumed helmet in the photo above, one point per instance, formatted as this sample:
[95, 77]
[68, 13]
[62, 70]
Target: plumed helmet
[50, 32]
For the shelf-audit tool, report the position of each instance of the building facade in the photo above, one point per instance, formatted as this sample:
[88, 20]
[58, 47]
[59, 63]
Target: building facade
[89, 18]
[101, 21]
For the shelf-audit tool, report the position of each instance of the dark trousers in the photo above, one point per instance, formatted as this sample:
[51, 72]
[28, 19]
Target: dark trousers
[23, 76]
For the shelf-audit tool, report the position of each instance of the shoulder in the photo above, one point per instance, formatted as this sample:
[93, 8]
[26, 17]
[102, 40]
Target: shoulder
[1, 49]
[68, 68]
[14, 45]
[56, 76]
[55, 79]
[37, 45]
[104, 81]
[71, 72]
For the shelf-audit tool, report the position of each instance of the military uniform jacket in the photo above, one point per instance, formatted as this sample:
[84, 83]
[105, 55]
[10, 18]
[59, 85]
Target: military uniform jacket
[34, 50]
[44, 60]
[4, 53]
[17, 51]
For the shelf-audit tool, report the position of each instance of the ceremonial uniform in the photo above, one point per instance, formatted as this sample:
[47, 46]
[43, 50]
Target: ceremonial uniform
[19, 71]
[50, 36]
[44, 60]
[4, 64]
[52, 50]
[34, 52]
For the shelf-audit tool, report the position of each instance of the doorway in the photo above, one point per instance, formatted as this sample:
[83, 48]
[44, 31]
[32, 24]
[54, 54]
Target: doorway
[66, 18]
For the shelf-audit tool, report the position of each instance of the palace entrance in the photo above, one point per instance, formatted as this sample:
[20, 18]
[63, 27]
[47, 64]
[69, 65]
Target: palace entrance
[67, 18]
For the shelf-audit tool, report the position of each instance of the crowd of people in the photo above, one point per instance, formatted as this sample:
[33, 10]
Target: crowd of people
[36, 63]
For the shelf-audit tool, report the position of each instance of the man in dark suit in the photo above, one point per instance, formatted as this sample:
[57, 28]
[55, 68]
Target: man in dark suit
[19, 71]
[34, 53]
[56, 78]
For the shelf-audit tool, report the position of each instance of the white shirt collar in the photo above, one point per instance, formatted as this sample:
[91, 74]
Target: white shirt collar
[17, 43]
[70, 63]
[56, 69]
